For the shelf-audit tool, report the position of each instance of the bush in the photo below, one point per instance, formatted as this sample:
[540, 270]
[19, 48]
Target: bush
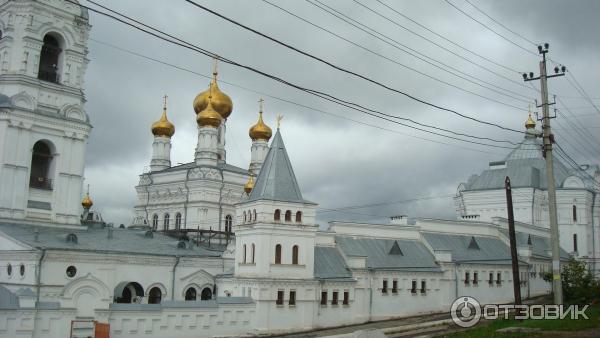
[578, 284]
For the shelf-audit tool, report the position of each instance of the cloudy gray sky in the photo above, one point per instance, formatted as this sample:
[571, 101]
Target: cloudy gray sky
[339, 162]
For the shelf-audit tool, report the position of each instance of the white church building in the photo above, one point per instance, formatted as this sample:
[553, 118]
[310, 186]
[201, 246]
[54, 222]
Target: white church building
[64, 272]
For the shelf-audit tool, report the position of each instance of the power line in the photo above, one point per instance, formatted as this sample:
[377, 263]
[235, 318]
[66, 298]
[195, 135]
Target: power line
[448, 40]
[314, 92]
[434, 43]
[582, 91]
[282, 99]
[362, 206]
[402, 47]
[490, 29]
[322, 95]
[347, 71]
[499, 23]
[413, 69]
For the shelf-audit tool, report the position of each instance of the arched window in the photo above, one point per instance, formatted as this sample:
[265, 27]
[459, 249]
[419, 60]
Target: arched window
[154, 296]
[244, 254]
[128, 292]
[166, 222]
[254, 214]
[575, 243]
[41, 160]
[206, 294]
[228, 223]
[253, 252]
[574, 214]
[299, 217]
[49, 59]
[277, 215]
[155, 221]
[178, 220]
[288, 216]
[278, 254]
[190, 294]
[295, 254]
[244, 217]
[250, 216]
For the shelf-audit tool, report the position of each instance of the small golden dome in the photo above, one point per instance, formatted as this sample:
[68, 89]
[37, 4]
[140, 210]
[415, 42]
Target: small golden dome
[260, 131]
[530, 123]
[221, 102]
[249, 185]
[163, 127]
[209, 117]
[87, 201]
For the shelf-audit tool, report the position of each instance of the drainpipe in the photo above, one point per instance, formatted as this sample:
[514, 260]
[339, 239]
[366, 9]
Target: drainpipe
[594, 257]
[533, 207]
[187, 198]
[148, 198]
[173, 278]
[220, 203]
[38, 288]
[456, 280]
[370, 295]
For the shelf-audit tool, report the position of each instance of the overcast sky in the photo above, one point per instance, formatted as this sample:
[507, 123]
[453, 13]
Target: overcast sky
[338, 162]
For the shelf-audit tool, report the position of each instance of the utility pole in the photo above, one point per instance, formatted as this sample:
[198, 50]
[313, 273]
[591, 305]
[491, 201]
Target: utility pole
[513, 242]
[548, 138]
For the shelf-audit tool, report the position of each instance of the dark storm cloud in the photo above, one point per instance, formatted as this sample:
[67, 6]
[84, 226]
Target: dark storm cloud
[338, 162]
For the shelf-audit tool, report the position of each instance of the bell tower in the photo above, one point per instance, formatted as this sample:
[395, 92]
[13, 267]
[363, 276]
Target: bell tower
[43, 124]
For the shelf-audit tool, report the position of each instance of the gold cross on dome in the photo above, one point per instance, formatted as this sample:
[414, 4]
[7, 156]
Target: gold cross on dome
[260, 102]
[215, 59]
[165, 101]
[279, 118]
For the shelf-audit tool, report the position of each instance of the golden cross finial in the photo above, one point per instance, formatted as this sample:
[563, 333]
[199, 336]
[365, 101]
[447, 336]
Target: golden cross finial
[88, 189]
[529, 109]
[260, 102]
[215, 59]
[165, 102]
[279, 118]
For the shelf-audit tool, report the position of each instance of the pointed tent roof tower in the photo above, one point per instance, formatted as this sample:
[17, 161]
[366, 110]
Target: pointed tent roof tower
[276, 180]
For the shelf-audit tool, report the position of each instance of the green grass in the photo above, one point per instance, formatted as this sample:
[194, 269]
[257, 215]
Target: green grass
[488, 329]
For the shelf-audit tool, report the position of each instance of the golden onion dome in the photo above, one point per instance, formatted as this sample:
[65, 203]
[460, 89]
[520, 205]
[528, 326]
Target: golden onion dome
[221, 102]
[249, 185]
[209, 117]
[530, 123]
[163, 127]
[260, 131]
[87, 201]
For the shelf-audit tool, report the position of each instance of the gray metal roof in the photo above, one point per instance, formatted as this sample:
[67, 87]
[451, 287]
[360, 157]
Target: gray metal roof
[490, 249]
[526, 167]
[276, 180]
[5, 101]
[329, 263]
[8, 300]
[123, 240]
[415, 256]
[540, 246]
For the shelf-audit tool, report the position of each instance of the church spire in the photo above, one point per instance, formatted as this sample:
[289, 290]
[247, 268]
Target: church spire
[276, 180]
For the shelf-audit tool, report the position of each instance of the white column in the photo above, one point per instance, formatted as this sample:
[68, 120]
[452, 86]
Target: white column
[258, 152]
[221, 145]
[161, 153]
[207, 149]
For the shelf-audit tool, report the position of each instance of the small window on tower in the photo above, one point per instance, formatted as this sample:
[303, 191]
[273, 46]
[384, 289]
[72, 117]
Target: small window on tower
[49, 59]
[277, 215]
